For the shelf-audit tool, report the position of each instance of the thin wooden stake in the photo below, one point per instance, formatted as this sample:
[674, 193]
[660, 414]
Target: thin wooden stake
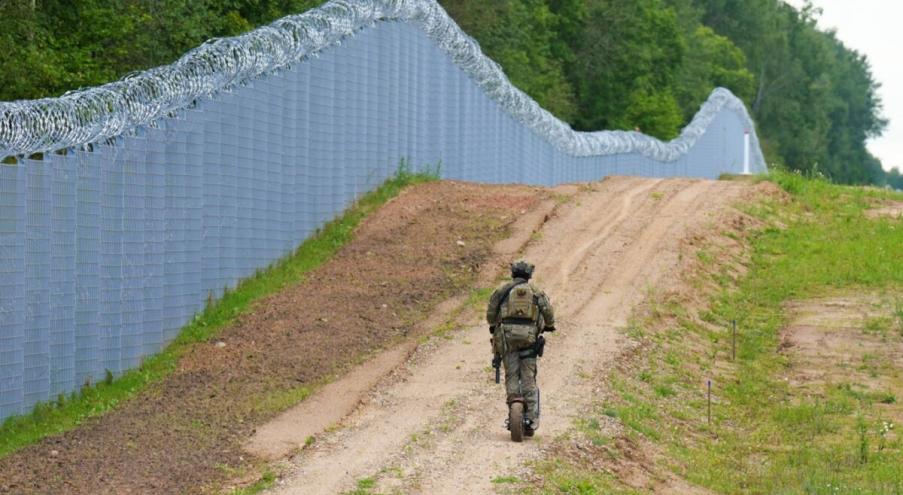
[710, 401]
[734, 341]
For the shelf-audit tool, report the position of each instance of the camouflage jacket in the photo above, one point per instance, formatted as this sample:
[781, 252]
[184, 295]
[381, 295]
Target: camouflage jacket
[547, 317]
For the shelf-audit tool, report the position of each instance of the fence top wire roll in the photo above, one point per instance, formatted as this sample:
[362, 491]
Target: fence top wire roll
[95, 114]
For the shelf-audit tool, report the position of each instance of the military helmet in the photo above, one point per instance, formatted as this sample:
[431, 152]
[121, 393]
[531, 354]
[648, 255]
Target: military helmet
[521, 269]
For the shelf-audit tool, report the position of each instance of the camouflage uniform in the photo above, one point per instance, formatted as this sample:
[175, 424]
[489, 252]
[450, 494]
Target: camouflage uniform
[520, 372]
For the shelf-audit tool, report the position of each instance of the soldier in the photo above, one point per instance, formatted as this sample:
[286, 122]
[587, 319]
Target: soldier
[518, 314]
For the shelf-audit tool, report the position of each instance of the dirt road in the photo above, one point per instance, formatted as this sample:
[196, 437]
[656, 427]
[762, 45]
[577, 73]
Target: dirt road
[435, 425]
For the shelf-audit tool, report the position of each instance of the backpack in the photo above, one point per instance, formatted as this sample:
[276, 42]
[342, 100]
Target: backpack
[519, 314]
[520, 305]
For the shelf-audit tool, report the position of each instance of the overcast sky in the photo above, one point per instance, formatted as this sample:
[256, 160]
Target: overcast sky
[873, 27]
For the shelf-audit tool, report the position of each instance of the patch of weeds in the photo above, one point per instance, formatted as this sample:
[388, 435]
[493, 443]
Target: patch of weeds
[561, 199]
[564, 476]
[639, 416]
[657, 195]
[672, 358]
[592, 429]
[449, 416]
[806, 419]
[862, 429]
[634, 329]
[283, 399]
[364, 486]
[587, 187]
[664, 390]
[478, 298]
[265, 482]
[448, 419]
[446, 329]
[95, 399]
[501, 480]
[869, 364]
[879, 325]
[393, 471]
[334, 427]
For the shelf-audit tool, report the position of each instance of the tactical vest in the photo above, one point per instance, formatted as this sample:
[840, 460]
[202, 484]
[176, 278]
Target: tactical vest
[519, 316]
[520, 307]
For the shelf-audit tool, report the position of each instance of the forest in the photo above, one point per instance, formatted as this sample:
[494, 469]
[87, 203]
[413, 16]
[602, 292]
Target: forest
[596, 64]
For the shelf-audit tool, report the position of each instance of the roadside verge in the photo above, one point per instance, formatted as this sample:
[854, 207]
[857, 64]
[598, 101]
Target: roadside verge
[775, 422]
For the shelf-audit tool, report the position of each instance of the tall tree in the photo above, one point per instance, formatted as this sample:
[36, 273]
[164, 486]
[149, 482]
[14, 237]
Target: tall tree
[626, 61]
[523, 37]
[597, 64]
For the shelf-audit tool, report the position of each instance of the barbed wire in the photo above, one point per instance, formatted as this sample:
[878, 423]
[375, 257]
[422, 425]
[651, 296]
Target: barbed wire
[95, 114]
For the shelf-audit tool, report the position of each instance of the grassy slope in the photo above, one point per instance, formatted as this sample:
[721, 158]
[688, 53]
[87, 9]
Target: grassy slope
[809, 445]
[69, 411]
[762, 439]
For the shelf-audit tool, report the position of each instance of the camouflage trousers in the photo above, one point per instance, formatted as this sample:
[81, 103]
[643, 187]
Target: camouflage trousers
[520, 381]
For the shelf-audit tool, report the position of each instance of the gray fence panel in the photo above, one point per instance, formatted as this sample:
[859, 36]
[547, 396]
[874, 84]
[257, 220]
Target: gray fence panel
[108, 248]
[12, 288]
[62, 276]
[36, 380]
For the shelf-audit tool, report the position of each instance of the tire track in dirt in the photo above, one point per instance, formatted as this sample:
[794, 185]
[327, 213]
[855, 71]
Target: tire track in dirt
[601, 228]
[436, 426]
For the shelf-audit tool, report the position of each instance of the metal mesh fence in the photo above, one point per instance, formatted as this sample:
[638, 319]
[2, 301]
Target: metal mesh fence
[108, 249]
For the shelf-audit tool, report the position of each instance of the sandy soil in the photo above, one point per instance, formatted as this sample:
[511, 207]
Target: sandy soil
[434, 425]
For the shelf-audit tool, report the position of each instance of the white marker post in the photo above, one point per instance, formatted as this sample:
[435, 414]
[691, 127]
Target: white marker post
[745, 152]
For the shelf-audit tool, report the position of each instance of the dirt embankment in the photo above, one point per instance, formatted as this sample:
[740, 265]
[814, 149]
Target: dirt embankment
[435, 425]
[187, 433]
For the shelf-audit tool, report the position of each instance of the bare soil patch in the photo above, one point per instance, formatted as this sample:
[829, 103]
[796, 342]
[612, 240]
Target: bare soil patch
[855, 342]
[890, 209]
[185, 435]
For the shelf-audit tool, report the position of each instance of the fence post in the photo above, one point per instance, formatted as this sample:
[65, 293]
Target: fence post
[746, 152]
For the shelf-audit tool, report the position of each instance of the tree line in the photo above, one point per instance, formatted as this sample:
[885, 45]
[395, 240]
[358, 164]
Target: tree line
[597, 64]
[649, 64]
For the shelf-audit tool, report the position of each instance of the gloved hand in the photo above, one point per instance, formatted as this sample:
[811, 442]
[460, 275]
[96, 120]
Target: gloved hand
[549, 329]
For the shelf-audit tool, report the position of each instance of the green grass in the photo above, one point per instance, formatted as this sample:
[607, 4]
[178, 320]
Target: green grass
[561, 477]
[67, 412]
[802, 443]
[266, 481]
[502, 480]
[365, 486]
[284, 399]
[765, 437]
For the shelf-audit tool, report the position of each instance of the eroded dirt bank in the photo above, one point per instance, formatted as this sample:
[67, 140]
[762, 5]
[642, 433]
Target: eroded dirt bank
[186, 434]
[435, 425]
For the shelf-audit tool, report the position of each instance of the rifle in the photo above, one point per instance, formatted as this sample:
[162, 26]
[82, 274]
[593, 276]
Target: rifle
[497, 364]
